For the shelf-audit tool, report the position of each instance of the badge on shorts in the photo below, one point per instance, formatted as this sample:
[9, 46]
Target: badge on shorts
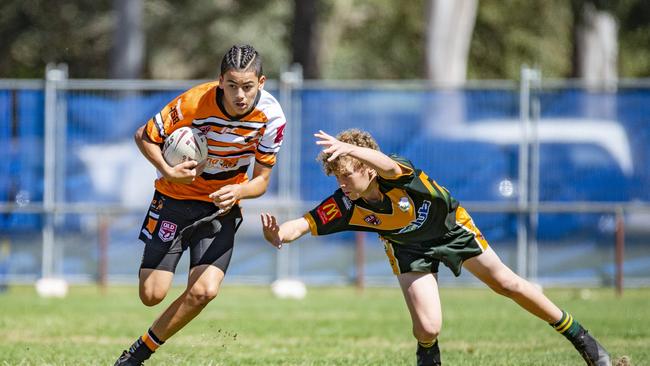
[167, 231]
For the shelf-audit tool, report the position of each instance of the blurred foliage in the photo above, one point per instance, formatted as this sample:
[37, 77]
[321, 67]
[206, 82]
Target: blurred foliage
[35, 32]
[510, 33]
[362, 39]
[380, 39]
[187, 38]
[634, 38]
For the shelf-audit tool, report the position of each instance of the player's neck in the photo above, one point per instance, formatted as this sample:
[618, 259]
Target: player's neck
[373, 194]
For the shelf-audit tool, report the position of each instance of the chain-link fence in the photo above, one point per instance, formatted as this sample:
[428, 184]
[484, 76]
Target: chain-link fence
[552, 172]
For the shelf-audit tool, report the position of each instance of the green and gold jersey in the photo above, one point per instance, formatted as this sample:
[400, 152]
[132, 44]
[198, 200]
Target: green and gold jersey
[414, 209]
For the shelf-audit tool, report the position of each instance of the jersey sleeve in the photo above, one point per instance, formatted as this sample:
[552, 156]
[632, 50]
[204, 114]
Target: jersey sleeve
[330, 216]
[269, 145]
[174, 115]
[408, 171]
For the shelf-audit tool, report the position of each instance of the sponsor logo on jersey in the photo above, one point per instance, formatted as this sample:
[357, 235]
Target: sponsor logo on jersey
[167, 231]
[347, 202]
[227, 163]
[175, 113]
[423, 214]
[404, 204]
[372, 219]
[328, 211]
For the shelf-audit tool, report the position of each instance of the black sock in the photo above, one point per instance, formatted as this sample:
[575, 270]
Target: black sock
[428, 354]
[145, 346]
[567, 326]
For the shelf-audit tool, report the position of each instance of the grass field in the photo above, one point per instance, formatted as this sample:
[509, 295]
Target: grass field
[332, 326]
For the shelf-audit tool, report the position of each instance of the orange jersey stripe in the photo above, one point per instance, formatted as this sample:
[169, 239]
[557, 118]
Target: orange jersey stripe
[231, 143]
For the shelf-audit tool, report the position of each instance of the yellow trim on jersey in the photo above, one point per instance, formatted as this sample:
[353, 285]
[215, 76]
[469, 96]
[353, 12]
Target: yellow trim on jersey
[312, 224]
[427, 183]
[392, 260]
[397, 219]
[406, 170]
[464, 220]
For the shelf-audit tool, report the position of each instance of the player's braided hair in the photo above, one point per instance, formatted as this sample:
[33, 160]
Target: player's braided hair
[242, 57]
[352, 136]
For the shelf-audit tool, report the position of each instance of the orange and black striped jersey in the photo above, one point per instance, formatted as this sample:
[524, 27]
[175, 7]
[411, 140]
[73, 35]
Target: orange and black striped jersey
[232, 143]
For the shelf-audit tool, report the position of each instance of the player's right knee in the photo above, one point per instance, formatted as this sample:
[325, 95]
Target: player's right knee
[151, 297]
[426, 332]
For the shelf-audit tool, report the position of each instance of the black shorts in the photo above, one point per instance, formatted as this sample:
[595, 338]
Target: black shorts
[172, 225]
[461, 242]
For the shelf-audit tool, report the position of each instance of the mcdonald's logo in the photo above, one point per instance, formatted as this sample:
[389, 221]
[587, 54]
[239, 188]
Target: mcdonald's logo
[328, 211]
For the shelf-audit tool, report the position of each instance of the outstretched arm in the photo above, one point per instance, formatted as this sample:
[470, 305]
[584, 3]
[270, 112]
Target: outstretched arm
[285, 233]
[382, 164]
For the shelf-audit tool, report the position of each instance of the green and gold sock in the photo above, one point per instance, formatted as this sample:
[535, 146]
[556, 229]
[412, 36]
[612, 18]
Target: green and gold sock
[567, 326]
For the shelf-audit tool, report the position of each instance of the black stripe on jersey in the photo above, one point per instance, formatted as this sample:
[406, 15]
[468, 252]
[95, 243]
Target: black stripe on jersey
[203, 122]
[225, 175]
[263, 163]
[232, 155]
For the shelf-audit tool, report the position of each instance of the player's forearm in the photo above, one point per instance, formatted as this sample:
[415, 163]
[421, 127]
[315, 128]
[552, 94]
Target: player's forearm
[254, 187]
[294, 229]
[380, 162]
[150, 150]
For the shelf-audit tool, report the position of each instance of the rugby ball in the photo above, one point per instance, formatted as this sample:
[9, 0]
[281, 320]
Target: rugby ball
[184, 144]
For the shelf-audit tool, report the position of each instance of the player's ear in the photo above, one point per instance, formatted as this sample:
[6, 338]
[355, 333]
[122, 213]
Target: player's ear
[261, 81]
[221, 81]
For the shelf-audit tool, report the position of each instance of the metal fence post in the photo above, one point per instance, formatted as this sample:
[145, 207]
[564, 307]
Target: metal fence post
[54, 76]
[289, 163]
[533, 214]
[528, 198]
[522, 196]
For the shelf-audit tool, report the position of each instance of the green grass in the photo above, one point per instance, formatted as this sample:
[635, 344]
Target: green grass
[332, 326]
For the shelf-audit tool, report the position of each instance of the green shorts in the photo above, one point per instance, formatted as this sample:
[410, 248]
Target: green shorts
[460, 243]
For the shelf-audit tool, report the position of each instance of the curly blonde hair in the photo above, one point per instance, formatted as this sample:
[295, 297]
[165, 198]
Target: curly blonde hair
[351, 136]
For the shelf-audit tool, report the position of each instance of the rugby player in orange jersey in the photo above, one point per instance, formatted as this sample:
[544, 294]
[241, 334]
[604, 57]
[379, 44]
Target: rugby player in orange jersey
[421, 225]
[198, 207]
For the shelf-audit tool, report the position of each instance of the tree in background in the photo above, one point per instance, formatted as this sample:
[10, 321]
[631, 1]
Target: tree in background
[36, 32]
[377, 39]
[515, 32]
[634, 38]
[595, 43]
[350, 39]
[186, 38]
[450, 25]
[127, 55]
[305, 37]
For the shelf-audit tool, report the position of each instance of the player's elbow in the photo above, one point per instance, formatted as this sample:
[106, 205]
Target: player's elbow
[138, 135]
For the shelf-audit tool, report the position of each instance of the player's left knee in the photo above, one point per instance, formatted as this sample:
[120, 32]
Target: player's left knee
[201, 296]
[426, 332]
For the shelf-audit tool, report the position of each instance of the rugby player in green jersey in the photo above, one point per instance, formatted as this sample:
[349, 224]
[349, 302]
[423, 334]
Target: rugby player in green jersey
[421, 225]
